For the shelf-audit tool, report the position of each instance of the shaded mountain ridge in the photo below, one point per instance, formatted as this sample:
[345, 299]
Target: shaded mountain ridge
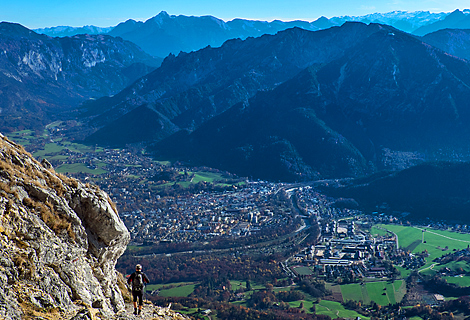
[429, 190]
[389, 90]
[192, 88]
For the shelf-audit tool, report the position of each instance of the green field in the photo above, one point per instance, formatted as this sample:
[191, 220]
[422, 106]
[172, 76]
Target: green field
[463, 281]
[80, 148]
[382, 292]
[205, 176]
[78, 167]
[308, 305]
[336, 310]
[436, 241]
[378, 232]
[23, 137]
[183, 289]
[403, 272]
[236, 284]
[459, 266]
[303, 271]
[201, 176]
[49, 149]
[456, 266]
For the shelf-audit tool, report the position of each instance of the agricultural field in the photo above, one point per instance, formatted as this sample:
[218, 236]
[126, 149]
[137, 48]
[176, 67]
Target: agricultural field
[308, 305]
[23, 137]
[79, 167]
[336, 310]
[436, 242]
[237, 284]
[463, 281]
[458, 266]
[381, 292]
[181, 289]
[217, 179]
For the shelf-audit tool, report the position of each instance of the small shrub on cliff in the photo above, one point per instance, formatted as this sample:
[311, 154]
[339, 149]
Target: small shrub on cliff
[54, 220]
[24, 265]
[55, 183]
[70, 181]
[121, 281]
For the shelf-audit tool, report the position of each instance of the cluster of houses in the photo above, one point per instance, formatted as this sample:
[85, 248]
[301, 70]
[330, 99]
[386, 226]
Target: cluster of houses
[346, 253]
[203, 216]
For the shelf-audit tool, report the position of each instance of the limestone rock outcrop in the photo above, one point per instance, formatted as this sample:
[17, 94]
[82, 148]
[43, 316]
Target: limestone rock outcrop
[59, 242]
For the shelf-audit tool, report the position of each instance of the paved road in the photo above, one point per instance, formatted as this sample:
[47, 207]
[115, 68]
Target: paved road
[430, 267]
[438, 234]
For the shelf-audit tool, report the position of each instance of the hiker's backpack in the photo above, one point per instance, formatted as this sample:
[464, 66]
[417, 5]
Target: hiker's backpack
[138, 282]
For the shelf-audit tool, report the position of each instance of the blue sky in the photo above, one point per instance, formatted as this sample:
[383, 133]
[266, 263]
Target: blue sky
[104, 13]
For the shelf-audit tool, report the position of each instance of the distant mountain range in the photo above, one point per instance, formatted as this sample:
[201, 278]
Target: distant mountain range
[165, 34]
[298, 105]
[455, 20]
[42, 76]
[453, 41]
[66, 31]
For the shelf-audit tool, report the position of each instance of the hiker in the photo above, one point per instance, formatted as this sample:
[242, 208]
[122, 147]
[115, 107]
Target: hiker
[137, 280]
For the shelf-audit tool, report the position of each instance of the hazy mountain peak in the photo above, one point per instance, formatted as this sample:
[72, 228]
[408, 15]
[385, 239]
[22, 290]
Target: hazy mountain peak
[160, 18]
[64, 31]
[455, 20]
[322, 18]
[163, 14]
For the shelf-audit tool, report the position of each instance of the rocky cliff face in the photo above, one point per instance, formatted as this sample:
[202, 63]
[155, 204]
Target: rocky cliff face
[59, 242]
[41, 76]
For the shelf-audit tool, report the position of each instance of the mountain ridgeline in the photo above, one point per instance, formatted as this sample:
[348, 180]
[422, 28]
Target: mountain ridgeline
[453, 41]
[165, 34]
[298, 105]
[42, 76]
[429, 190]
[191, 88]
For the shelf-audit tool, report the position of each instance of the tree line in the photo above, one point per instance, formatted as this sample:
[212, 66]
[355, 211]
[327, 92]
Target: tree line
[189, 267]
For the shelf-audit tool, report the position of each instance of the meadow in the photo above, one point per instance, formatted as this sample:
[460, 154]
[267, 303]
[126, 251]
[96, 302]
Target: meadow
[381, 292]
[179, 289]
[436, 242]
[336, 310]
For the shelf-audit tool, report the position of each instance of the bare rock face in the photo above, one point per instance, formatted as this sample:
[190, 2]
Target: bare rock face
[59, 242]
